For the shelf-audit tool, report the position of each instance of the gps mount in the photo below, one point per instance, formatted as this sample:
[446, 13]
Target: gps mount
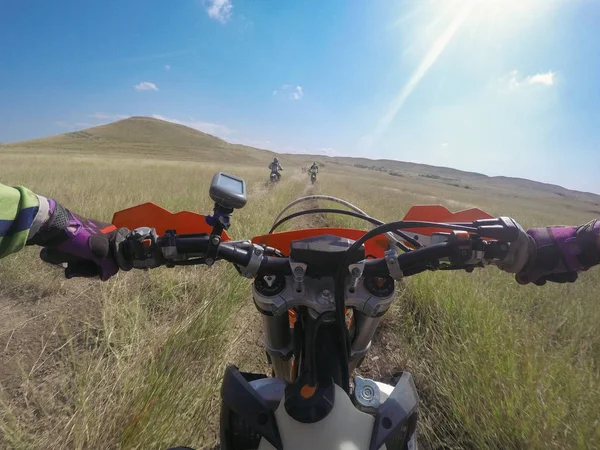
[228, 193]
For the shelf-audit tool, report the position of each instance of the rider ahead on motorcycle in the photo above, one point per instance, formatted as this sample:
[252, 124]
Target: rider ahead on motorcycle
[314, 168]
[275, 167]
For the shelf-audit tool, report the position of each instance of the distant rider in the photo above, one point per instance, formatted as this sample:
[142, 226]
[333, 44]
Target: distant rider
[92, 249]
[314, 168]
[275, 168]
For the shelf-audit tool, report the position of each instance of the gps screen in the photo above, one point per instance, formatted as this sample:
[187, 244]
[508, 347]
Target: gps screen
[231, 184]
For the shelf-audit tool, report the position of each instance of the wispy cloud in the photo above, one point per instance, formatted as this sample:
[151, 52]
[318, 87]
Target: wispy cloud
[219, 10]
[215, 129]
[328, 151]
[547, 79]
[540, 79]
[167, 67]
[293, 92]
[145, 86]
[105, 116]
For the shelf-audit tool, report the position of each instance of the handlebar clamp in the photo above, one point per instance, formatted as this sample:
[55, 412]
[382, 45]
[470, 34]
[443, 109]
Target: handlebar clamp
[391, 260]
[256, 257]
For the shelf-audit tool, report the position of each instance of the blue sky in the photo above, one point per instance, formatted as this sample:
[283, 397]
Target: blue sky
[503, 87]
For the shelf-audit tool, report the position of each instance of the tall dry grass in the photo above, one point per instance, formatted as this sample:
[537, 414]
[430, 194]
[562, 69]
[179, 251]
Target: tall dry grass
[136, 362]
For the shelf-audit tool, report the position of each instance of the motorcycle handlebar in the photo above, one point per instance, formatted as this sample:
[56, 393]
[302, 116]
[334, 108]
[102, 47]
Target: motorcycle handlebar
[410, 263]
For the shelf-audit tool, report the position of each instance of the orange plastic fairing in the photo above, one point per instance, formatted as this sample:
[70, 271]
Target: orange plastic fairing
[282, 241]
[439, 213]
[153, 216]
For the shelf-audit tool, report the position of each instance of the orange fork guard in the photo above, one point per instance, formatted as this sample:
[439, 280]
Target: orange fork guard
[374, 247]
[153, 216]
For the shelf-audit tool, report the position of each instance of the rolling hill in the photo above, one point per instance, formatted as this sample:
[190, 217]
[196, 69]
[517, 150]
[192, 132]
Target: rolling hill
[152, 137]
[143, 135]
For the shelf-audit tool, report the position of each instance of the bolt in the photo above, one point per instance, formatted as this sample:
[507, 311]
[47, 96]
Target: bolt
[355, 272]
[257, 251]
[209, 261]
[298, 271]
[215, 240]
[326, 293]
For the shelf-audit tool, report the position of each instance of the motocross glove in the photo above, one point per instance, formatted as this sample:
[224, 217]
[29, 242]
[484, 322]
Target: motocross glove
[558, 253]
[88, 248]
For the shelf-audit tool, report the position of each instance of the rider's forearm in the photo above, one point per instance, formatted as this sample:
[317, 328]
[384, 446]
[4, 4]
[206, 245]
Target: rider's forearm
[22, 213]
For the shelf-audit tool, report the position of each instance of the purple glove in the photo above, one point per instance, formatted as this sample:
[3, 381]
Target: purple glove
[558, 253]
[87, 247]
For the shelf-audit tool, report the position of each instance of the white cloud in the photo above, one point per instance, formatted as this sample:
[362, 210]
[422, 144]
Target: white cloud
[328, 151]
[215, 129]
[547, 78]
[543, 79]
[105, 116]
[297, 94]
[219, 10]
[444, 144]
[145, 86]
[293, 92]
[167, 67]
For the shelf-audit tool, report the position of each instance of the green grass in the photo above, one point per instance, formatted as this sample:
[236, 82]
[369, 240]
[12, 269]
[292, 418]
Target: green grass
[136, 362]
[499, 365]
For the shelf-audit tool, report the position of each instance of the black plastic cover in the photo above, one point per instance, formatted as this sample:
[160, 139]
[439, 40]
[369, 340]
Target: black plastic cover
[311, 409]
[324, 254]
[241, 404]
[396, 418]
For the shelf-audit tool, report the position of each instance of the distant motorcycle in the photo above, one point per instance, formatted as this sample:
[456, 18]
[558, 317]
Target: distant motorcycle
[275, 177]
[313, 177]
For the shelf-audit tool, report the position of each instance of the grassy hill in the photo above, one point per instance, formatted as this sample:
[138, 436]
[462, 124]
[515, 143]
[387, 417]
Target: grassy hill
[166, 140]
[142, 135]
[154, 138]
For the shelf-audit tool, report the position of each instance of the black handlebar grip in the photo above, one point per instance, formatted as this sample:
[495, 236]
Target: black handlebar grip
[500, 228]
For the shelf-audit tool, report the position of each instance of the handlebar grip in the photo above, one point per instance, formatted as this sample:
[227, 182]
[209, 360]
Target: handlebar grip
[412, 262]
[190, 244]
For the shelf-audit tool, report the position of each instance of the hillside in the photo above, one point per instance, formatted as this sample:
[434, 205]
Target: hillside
[145, 135]
[166, 140]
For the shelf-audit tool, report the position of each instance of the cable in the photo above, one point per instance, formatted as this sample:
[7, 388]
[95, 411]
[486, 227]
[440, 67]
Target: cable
[391, 237]
[322, 211]
[369, 219]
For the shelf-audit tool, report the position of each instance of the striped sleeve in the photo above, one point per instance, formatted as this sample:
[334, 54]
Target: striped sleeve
[19, 209]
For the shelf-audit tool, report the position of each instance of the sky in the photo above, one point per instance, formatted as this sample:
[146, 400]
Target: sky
[501, 87]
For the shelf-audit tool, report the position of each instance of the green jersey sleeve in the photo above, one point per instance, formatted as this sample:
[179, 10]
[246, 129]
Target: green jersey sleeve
[19, 208]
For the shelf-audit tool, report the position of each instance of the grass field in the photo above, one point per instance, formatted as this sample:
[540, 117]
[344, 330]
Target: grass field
[136, 362]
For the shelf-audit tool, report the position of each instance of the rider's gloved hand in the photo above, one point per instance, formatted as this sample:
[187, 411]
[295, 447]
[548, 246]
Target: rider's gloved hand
[553, 253]
[560, 253]
[88, 247]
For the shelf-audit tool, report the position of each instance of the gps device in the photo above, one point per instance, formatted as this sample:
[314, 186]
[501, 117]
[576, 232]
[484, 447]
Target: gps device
[228, 191]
